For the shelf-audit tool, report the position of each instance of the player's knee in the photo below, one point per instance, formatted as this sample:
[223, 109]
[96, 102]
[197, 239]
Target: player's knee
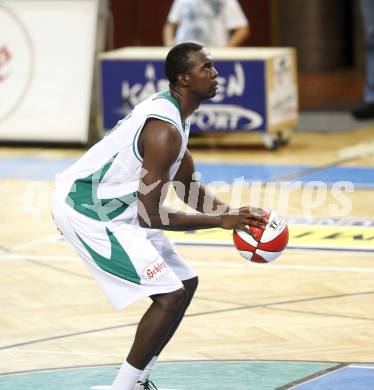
[173, 301]
[191, 285]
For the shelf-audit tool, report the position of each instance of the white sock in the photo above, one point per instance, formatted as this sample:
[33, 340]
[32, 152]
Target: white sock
[126, 377]
[147, 371]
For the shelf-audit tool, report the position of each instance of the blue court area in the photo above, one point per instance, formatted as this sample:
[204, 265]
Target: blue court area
[355, 377]
[360, 176]
[45, 169]
[32, 168]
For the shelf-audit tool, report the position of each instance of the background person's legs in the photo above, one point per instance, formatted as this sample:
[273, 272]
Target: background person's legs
[367, 7]
[367, 11]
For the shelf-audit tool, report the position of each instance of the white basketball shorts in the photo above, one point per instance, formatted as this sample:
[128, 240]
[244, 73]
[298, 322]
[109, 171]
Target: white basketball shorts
[127, 261]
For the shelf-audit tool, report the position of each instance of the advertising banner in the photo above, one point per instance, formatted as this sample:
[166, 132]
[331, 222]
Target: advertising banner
[240, 103]
[47, 54]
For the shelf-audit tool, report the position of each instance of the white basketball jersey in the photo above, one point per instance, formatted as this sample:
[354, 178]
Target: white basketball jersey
[103, 184]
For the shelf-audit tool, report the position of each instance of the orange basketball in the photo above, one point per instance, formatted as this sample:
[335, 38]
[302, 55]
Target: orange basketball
[268, 244]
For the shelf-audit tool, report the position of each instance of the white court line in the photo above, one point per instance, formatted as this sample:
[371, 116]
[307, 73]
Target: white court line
[362, 149]
[207, 264]
[25, 256]
[106, 387]
[267, 267]
[32, 243]
[46, 352]
[361, 366]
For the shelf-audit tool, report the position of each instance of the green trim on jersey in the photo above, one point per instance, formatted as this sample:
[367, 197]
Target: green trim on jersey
[118, 264]
[164, 118]
[83, 197]
[135, 144]
[166, 95]
[136, 136]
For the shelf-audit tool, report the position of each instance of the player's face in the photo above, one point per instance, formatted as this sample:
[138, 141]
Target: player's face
[202, 73]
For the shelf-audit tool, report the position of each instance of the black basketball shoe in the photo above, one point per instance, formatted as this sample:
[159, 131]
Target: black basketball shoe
[147, 385]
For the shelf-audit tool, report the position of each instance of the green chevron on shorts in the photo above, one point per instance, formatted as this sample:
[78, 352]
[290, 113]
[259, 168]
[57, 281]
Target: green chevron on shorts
[118, 264]
[83, 197]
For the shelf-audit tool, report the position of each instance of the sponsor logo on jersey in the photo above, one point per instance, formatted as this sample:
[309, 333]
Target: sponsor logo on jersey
[156, 270]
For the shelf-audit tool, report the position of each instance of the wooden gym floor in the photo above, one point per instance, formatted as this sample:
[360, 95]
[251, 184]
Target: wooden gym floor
[311, 305]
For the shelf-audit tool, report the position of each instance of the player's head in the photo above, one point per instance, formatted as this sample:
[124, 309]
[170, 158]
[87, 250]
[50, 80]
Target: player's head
[189, 65]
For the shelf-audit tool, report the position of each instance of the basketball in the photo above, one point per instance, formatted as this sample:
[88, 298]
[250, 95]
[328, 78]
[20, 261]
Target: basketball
[268, 244]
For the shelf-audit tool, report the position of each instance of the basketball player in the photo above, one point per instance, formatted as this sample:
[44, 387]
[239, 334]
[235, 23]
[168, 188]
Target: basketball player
[109, 207]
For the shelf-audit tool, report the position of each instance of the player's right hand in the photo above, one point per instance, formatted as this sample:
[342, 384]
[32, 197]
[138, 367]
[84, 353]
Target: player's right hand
[243, 218]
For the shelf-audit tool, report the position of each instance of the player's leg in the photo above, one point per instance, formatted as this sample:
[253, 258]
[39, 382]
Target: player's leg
[189, 279]
[127, 281]
[152, 330]
[181, 268]
[190, 286]
[155, 325]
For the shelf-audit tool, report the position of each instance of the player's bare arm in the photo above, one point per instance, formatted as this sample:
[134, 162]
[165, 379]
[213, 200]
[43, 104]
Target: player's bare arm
[196, 195]
[159, 145]
[192, 191]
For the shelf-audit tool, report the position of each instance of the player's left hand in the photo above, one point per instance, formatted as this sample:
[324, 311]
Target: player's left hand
[244, 218]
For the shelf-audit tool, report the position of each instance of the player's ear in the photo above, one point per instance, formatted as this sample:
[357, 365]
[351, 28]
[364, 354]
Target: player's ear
[184, 79]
